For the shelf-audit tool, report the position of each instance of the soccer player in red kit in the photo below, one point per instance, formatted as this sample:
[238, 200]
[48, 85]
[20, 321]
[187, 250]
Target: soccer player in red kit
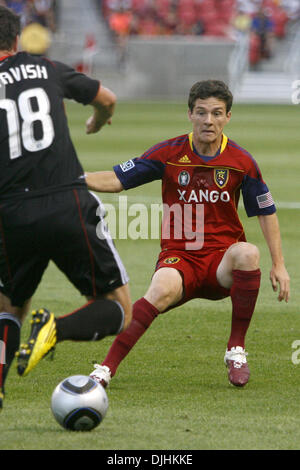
[203, 174]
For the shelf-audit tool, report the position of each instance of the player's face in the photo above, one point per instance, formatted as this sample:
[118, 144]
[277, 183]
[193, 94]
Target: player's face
[209, 118]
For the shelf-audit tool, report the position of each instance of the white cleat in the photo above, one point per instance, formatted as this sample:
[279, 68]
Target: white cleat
[101, 374]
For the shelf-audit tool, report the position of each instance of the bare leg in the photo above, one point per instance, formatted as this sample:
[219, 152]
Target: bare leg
[19, 312]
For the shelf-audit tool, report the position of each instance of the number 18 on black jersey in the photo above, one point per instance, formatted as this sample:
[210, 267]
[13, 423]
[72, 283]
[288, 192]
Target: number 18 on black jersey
[36, 152]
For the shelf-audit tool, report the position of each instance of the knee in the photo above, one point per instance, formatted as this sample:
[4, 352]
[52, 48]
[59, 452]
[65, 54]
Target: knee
[245, 256]
[165, 295]
[165, 290]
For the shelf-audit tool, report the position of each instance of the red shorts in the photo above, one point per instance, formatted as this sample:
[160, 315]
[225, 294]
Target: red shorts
[199, 273]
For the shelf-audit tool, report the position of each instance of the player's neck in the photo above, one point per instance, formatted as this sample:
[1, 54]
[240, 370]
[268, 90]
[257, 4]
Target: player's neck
[6, 53]
[208, 149]
[12, 51]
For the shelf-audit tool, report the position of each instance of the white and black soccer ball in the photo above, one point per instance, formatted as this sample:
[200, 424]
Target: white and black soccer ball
[79, 403]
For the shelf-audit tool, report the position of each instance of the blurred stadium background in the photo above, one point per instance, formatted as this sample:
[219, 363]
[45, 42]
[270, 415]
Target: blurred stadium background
[158, 48]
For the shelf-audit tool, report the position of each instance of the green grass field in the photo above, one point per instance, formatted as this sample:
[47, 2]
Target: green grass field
[172, 391]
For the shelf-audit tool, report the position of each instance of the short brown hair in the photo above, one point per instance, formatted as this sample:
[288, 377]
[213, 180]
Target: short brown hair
[209, 88]
[9, 28]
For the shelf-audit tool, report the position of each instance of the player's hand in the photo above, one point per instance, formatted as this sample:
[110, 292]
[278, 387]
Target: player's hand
[93, 125]
[90, 125]
[279, 275]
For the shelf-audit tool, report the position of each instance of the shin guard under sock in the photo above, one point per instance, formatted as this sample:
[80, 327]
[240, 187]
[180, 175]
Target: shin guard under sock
[143, 315]
[244, 292]
[93, 321]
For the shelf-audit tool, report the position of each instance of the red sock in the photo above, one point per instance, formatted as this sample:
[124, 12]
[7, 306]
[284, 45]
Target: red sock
[244, 292]
[143, 314]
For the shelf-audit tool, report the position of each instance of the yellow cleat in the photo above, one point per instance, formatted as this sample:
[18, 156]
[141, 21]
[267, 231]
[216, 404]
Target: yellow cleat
[41, 341]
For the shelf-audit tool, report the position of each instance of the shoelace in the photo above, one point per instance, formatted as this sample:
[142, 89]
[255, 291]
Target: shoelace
[239, 358]
[100, 369]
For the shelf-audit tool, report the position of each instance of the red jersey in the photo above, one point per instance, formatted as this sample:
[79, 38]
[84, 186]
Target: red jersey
[200, 194]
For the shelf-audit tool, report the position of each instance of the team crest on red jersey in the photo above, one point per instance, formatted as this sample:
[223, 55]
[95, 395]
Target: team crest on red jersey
[172, 260]
[221, 177]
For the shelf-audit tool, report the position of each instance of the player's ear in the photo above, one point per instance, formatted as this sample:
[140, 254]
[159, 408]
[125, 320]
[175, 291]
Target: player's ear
[228, 115]
[190, 114]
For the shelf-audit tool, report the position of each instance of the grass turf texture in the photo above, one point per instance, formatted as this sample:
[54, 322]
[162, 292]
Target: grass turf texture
[172, 391]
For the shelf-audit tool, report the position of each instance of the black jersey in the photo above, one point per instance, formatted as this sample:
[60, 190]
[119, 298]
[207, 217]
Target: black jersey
[36, 152]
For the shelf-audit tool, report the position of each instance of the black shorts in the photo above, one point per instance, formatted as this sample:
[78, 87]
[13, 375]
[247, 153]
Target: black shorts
[65, 227]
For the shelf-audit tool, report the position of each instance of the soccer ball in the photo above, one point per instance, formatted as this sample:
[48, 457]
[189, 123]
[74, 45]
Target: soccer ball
[79, 403]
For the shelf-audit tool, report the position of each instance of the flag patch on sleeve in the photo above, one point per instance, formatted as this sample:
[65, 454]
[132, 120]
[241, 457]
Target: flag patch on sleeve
[265, 200]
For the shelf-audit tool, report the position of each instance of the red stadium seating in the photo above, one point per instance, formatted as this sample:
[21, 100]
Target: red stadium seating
[280, 19]
[207, 17]
[254, 50]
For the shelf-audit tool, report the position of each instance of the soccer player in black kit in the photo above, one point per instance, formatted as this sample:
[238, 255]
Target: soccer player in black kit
[46, 210]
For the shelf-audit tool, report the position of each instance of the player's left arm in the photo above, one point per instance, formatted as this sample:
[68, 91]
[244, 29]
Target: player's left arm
[104, 106]
[278, 274]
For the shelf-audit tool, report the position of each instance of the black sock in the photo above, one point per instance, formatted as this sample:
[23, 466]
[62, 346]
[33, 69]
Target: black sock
[9, 343]
[92, 322]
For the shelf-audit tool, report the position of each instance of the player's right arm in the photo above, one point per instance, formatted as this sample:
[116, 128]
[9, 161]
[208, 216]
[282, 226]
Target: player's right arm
[103, 182]
[141, 170]
[104, 106]
[135, 172]
[88, 91]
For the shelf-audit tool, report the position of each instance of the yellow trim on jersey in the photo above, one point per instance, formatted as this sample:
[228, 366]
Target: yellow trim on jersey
[207, 166]
[191, 140]
[223, 145]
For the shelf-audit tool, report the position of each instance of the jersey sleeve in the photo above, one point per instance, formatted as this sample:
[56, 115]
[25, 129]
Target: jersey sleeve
[141, 170]
[256, 195]
[76, 85]
[137, 171]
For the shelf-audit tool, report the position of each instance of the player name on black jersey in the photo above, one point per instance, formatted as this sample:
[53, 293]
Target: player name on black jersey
[36, 152]
[28, 71]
